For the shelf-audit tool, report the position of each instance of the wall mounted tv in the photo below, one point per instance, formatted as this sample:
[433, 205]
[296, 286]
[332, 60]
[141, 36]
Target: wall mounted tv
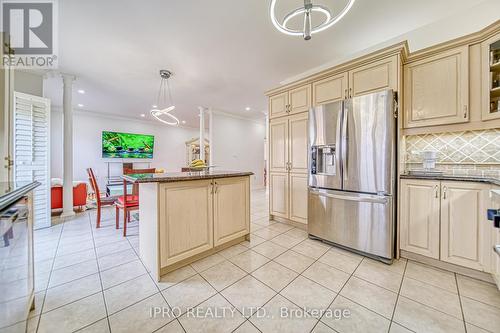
[127, 145]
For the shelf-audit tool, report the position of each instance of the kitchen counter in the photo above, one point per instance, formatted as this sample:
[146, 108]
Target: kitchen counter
[477, 179]
[183, 176]
[10, 192]
[186, 216]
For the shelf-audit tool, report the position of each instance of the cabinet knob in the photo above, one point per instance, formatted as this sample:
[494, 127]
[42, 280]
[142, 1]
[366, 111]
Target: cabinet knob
[465, 111]
[350, 92]
[444, 191]
[345, 93]
[436, 191]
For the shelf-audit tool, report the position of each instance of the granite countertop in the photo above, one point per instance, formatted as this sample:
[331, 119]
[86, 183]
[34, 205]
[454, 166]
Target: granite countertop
[478, 179]
[10, 192]
[169, 177]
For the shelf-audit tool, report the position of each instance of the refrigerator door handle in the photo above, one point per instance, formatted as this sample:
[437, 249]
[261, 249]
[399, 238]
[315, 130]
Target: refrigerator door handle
[348, 197]
[344, 143]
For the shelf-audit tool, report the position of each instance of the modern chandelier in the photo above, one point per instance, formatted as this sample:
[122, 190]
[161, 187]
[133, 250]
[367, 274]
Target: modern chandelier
[163, 113]
[307, 10]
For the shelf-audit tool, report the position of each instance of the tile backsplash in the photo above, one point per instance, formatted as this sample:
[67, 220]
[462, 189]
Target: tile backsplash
[469, 152]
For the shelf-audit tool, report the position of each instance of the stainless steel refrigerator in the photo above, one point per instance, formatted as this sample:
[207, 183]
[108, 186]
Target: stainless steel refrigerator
[352, 147]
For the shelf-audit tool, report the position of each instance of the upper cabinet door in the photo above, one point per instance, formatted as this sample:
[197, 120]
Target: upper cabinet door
[490, 71]
[278, 145]
[278, 105]
[419, 223]
[331, 89]
[436, 89]
[377, 76]
[300, 99]
[297, 142]
[465, 232]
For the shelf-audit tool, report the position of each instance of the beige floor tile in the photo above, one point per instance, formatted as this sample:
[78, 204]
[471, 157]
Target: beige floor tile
[297, 233]
[397, 266]
[122, 273]
[309, 250]
[254, 227]
[218, 316]
[233, 251]
[396, 328]
[379, 276]
[128, 293]
[71, 291]
[189, 293]
[474, 329]
[281, 227]
[434, 297]
[74, 258]
[481, 315]
[345, 263]
[269, 249]
[101, 326]
[73, 316]
[420, 318]
[249, 261]
[254, 241]
[116, 259]
[371, 296]
[71, 273]
[266, 233]
[114, 247]
[322, 328]
[172, 278]
[172, 327]
[480, 291]
[263, 221]
[137, 318]
[286, 241]
[248, 294]
[430, 275]
[293, 320]
[308, 294]
[207, 262]
[294, 261]
[222, 275]
[360, 319]
[247, 327]
[275, 275]
[329, 277]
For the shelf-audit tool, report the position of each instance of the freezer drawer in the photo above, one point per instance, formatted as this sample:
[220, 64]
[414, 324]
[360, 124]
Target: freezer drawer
[359, 221]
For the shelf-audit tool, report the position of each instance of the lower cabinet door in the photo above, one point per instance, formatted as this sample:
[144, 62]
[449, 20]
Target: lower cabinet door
[278, 195]
[298, 198]
[231, 209]
[420, 217]
[186, 231]
[465, 234]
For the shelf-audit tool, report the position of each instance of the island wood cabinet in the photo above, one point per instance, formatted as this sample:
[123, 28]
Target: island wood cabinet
[377, 76]
[288, 167]
[294, 101]
[222, 214]
[436, 89]
[446, 220]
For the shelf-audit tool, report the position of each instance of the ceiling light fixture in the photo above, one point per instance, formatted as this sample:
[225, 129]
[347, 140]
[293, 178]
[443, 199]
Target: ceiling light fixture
[248, 108]
[307, 10]
[80, 105]
[81, 91]
[143, 115]
[183, 121]
[163, 113]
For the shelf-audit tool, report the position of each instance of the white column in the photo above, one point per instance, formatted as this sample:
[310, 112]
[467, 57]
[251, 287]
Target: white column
[68, 145]
[202, 133]
[210, 135]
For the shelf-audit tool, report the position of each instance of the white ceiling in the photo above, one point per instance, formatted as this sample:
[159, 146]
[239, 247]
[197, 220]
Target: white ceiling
[224, 53]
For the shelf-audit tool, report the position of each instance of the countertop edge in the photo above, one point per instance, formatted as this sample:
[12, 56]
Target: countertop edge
[174, 178]
[492, 181]
[11, 197]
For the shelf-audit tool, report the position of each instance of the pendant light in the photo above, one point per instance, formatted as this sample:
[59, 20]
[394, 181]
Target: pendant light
[307, 10]
[162, 109]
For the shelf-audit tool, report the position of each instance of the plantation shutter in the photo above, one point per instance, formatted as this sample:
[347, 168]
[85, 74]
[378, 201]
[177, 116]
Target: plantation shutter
[31, 151]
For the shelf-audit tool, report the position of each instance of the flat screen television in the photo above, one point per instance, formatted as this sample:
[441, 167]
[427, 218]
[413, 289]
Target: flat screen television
[127, 145]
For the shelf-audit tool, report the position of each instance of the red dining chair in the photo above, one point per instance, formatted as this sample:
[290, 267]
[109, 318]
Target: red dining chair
[129, 202]
[101, 201]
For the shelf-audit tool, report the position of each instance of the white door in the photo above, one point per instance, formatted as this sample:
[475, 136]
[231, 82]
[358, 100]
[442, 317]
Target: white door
[31, 128]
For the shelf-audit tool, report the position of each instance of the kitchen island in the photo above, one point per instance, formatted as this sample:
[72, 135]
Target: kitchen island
[186, 216]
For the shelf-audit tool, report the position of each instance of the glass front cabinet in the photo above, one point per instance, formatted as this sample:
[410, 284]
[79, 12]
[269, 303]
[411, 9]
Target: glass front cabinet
[490, 51]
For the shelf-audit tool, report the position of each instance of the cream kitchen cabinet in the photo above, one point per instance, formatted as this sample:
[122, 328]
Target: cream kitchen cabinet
[446, 221]
[231, 211]
[495, 239]
[288, 166]
[436, 89]
[419, 225]
[331, 89]
[294, 101]
[490, 71]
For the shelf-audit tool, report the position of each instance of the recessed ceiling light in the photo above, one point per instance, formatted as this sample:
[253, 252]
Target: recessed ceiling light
[248, 108]
[81, 91]
[143, 115]
[80, 105]
[154, 106]
[183, 121]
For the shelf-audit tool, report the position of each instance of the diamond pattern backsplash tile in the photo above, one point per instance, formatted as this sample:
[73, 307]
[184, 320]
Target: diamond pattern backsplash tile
[469, 147]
